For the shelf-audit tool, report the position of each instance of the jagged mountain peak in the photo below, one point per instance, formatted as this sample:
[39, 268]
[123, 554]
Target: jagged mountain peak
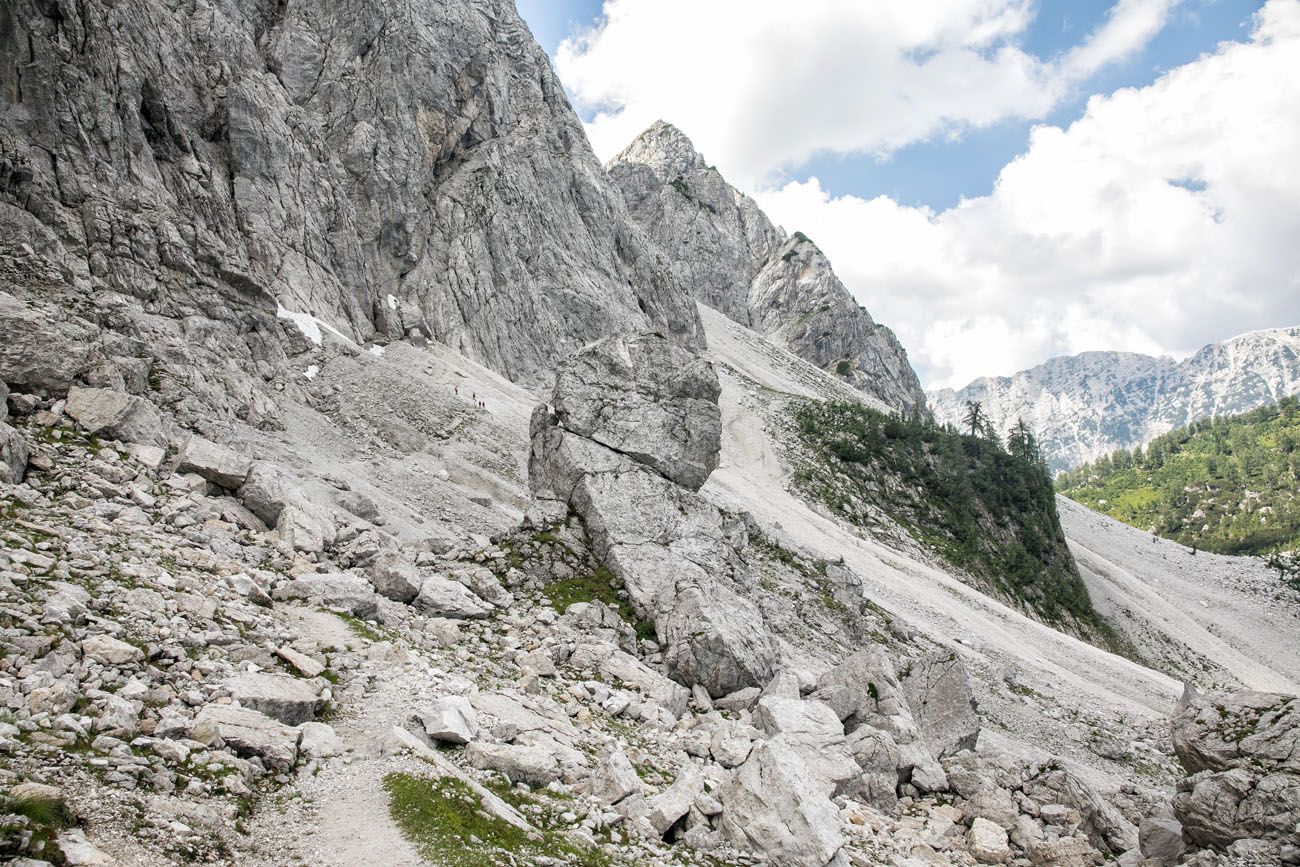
[664, 148]
[733, 258]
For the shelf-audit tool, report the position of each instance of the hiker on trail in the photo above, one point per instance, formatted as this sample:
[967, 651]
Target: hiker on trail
[457, 387]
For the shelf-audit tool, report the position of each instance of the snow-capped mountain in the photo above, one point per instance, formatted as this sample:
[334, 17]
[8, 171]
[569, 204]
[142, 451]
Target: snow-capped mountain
[1083, 406]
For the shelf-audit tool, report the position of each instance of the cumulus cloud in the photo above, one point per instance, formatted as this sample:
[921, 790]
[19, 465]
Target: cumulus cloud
[1166, 217]
[762, 84]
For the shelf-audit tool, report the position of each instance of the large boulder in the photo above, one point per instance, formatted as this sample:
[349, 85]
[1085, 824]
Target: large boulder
[634, 434]
[103, 412]
[218, 464]
[1241, 751]
[395, 577]
[282, 697]
[648, 398]
[443, 597]
[676, 554]
[42, 349]
[13, 455]
[341, 590]
[450, 719]
[267, 489]
[251, 733]
[519, 763]
[938, 693]
[814, 731]
[864, 690]
[771, 806]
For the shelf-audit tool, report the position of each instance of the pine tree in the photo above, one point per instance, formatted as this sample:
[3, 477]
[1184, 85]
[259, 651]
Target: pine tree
[975, 419]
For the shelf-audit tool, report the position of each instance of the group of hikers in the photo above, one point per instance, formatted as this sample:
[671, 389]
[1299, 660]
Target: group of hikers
[482, 404]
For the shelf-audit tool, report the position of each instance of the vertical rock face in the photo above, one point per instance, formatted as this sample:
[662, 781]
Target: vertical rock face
[732, 257]
[384, 167]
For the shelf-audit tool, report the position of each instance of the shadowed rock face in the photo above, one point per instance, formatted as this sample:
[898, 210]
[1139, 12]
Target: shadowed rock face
[387, 168]
[735, 260]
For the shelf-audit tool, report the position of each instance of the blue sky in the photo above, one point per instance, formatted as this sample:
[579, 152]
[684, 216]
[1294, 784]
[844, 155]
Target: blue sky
[999, 181]
[938, 172]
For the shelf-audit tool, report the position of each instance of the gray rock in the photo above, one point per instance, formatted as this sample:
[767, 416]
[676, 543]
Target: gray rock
[938, 693]
[647, 398]
[878, 757]
[13, 456]
[864, 690]
[1161, 841]
[772, 807]
[267, 489]
[102, 412]
[519, 763]
[620, 667]
[674, 552]
[280, 696]
[217, 463]
[306, 527]
[251, 733]
[450, 719]
[670, 805]
[395, 577]
[815, 732]
[41, 348]
[319, 741]
[4, 401]
[344, 591]
[1241, 751]
[442, 597]
[110, 651]
[614, 778]
[736, 261]
[987, 842]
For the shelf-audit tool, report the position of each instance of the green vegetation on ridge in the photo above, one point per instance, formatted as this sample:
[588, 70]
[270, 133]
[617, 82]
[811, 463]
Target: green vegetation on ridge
[989, 511]
[1229, 485]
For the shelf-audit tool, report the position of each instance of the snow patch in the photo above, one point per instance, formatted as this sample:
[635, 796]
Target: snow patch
[307, 324]
[311, 371]
[377, 351]
[311, 327]
[392, 302]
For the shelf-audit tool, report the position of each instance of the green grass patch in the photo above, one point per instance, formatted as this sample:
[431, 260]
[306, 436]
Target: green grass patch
[597, 586]
[446, 821]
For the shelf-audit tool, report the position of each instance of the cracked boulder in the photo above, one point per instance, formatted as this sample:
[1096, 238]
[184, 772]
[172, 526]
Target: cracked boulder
[938, 693]
[648, 398]
[103, 412]
[1241, 751]
[633, 435]
[772, 806]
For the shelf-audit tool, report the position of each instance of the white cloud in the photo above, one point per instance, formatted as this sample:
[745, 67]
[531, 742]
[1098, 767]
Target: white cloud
[1166, 217]
[765, 84]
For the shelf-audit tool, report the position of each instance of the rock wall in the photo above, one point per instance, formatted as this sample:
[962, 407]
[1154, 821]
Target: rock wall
[735, 260]
[385, 168]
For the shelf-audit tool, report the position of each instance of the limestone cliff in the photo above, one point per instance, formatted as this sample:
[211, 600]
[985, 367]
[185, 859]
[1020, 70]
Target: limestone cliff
[384, 167]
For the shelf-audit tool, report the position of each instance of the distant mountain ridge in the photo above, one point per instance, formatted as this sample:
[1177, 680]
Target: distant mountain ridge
[1087, 405]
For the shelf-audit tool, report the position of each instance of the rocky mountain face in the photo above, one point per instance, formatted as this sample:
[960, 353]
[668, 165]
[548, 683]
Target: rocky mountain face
[1084, 406]
[731, 256]
[386, 169]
